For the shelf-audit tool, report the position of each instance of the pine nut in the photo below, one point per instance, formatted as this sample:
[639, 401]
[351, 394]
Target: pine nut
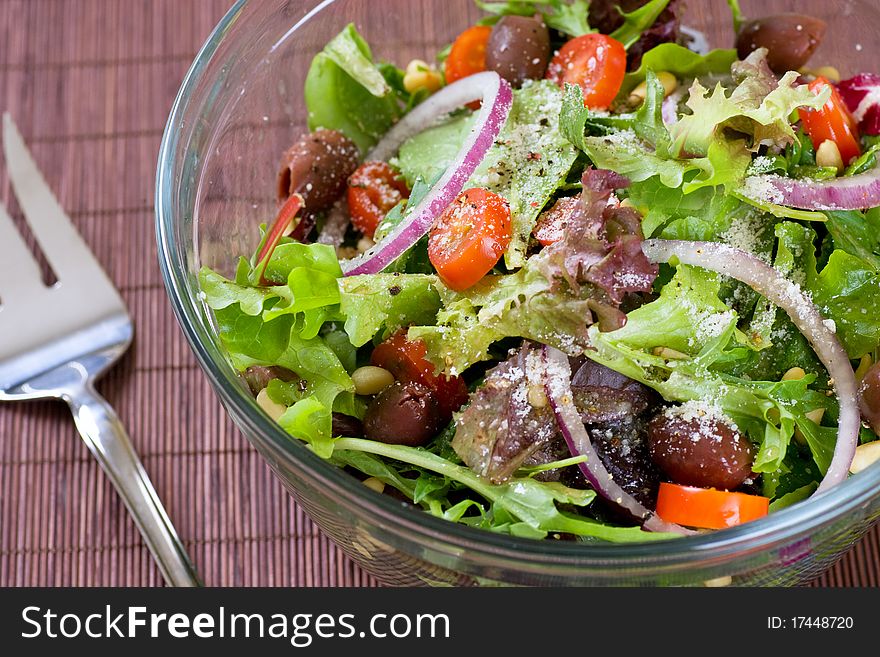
[669, 354]
[537, 397]
[370, 380]
[829, 72]
[374, 484]
[421, 76]
[273, 409]
[794, 374]
[668, 80]
[815, 415]
[864, 365]
[727, 580]
[866, 455]
[828, 155]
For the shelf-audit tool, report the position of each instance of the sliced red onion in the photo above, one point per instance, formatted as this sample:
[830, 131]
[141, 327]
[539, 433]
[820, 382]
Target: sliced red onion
[497, 100]
[861, 94]
[848, 193]
[557, 385]
[768, 282]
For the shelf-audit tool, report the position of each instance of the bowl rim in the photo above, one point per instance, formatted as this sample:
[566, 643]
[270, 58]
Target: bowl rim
[781, 527]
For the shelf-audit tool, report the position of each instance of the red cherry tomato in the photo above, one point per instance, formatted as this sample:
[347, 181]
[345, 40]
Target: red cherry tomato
[594, 62]
[832, 121]
[373, 189]
[468, 53]
[405, 359]
[708, 508]
[469, 237]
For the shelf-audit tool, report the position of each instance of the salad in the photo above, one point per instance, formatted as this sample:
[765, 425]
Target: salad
[580, 278]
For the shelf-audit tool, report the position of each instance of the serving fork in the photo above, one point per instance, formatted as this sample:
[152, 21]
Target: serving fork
[56, 341]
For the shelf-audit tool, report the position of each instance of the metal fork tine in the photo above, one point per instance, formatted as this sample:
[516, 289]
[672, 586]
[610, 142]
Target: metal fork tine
[69, 256]
[19, 274]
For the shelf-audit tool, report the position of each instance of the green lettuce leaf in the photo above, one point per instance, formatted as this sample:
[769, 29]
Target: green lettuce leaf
[371, 303]
[345, 91]
[566, 16]
[758, 106]
[845, 290]
[703, 333]
[524, 304]
[681, 62]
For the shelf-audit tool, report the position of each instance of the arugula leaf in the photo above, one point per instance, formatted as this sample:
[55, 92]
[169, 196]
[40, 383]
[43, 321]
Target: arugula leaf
[345, 91]
[845, 290]
[523, 506]
[795, 496]
[637, 21]
[857, 233]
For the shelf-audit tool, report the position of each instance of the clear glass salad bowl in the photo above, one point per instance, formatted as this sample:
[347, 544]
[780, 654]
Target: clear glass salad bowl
[239, 108]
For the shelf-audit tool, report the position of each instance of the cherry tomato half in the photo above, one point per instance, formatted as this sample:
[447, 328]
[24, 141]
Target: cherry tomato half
[832, 121]
[594, 62]
[468, 53]
[708, 508]
[406, 360]
[469, 237]
[373, 189]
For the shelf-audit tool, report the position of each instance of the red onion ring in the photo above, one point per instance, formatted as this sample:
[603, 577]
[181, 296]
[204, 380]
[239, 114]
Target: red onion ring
[497, 100]
[557, 377]
[848, 193]
[768, 282]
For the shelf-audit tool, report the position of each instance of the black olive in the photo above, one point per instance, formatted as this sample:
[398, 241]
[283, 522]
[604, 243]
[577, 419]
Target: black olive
[699, 450]
[790, 39]
[347, 426]
[518, 49]
[403, 414]
[869, 397]
[317, 167]
[258, 377]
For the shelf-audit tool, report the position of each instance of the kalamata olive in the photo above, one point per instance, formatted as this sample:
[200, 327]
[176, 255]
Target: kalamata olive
[317, 167]
[624, 452]
[869, 397]
[518, 49]
[403, 414]
[258, 377]
[347, 426]
[790, 39]
[697, 448]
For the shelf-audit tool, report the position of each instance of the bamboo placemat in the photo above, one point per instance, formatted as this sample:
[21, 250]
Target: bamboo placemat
[90, 84]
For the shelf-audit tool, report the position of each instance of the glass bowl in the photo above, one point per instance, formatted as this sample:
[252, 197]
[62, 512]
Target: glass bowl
[238, 109]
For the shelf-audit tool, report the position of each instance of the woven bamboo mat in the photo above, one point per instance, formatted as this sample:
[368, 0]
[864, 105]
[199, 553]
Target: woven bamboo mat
[90, 84]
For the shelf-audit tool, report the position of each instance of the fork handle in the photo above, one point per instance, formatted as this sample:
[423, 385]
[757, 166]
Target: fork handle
[107, 439]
